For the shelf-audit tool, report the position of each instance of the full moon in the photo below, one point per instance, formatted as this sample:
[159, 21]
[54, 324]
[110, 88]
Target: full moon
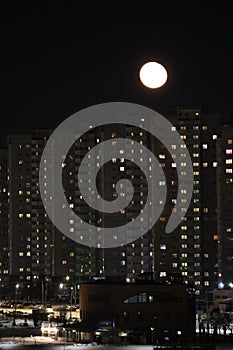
[153, 75]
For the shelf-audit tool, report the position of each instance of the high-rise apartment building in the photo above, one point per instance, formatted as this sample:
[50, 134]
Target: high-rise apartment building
[30, 231]
[4, 237]
[225, 207]
[34, 252]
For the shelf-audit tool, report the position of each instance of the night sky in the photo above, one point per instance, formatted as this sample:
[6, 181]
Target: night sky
[57, 60]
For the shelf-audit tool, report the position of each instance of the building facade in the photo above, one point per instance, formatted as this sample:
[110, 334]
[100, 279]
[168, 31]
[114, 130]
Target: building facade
[34, 253]
[4, 229]
[225, 207]
[166, 309]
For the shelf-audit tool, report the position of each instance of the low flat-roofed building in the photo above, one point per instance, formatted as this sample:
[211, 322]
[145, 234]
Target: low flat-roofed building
[153, 309]
[223, 299]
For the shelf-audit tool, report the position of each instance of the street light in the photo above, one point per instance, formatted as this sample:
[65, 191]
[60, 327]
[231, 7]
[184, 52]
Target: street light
[16, 300]
[71, 301]
[221, 285]
[16, 291]
[179, 333]
[152, 335]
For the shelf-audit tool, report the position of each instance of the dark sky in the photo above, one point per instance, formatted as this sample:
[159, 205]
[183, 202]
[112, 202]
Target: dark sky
[57, 60]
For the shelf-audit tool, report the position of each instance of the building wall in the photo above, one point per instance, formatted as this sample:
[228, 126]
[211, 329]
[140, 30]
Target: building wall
[164, 307]
[4, 237]
[223, 299]
[225, 205]
[38, 249]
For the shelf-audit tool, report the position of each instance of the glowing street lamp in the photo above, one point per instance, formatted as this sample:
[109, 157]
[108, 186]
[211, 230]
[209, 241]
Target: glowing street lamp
[152, 335]
[221, 285]
[16, 300]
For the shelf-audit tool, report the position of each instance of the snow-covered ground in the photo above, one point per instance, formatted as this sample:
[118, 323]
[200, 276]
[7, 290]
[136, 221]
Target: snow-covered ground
[16, 343]
[20, 322]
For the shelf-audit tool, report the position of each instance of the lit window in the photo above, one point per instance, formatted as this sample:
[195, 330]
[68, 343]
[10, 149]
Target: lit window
[162, 274]
[161, 156]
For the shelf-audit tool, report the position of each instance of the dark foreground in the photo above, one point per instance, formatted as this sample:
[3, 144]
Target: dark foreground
[15, 346]
[100, 347]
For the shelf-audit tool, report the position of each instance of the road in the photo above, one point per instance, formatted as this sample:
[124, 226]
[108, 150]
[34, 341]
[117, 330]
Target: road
[12, 346]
